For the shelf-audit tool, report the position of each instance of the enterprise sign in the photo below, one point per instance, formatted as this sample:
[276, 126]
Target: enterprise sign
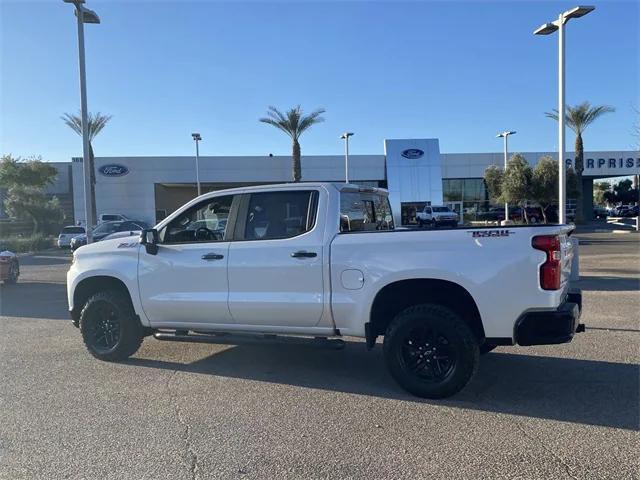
[612, 165]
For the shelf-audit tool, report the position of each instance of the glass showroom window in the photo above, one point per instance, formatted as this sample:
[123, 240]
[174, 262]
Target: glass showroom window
[472, 192]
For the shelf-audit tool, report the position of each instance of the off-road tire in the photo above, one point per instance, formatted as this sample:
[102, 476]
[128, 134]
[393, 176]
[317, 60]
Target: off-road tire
[447, 325]
[129, 331]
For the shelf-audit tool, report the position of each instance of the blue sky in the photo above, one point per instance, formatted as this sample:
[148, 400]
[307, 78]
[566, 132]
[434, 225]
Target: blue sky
[458, 71]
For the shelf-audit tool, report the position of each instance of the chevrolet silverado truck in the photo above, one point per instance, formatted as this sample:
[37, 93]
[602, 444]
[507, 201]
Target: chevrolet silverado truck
[311, 262]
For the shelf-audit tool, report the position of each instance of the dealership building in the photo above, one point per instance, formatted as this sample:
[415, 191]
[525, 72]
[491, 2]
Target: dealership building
[413, 170]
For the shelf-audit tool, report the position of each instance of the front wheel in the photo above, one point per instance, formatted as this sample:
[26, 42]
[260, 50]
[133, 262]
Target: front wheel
[430, 351]
[109, 327]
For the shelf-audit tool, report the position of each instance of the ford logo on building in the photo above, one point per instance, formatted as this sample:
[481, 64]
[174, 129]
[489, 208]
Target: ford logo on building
[113, 170]
[412, 153]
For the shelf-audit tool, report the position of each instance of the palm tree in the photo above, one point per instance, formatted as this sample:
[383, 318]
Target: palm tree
[293, 123]
[578, 118]
[96, 122]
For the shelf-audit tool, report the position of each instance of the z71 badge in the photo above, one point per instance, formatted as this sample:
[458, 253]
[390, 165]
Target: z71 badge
[491, 233]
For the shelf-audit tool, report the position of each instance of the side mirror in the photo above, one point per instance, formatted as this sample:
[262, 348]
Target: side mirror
[345, 223]
[149, 238]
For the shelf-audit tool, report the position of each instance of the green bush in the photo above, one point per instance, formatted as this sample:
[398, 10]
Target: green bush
[32, 243]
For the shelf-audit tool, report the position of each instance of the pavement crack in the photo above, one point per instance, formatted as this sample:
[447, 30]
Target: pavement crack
[190, 453]
[535, 439]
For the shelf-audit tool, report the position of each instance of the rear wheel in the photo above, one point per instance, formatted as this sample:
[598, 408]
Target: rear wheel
[430, 351]
[109, 327]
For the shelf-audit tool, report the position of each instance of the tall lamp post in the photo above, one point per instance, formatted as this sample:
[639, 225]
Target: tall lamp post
[345, 136]
[505, 135]
[197, 138]
[547, 29]
[84, 15]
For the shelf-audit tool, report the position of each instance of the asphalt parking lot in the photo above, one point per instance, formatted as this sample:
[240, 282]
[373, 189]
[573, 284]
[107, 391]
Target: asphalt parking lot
[181, 411]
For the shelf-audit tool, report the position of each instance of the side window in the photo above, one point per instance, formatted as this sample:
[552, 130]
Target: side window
[364, 212]
[273, 215]
[204, 222]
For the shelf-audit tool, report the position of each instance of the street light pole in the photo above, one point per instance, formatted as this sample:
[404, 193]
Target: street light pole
[547, 29]
[562, 170]
[84, 15]
[345, 136]
[197, 138]
[505, 136]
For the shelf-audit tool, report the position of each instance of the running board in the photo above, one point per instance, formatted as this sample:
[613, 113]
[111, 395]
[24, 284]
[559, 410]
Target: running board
[224, 338]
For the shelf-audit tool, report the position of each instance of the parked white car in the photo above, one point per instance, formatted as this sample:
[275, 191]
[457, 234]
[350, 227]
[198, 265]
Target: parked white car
[111, 217]
[437, 215]
[322, 260]
[67, 233]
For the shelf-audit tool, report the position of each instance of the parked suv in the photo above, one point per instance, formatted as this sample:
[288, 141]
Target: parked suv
[67, 233]
[436, 215]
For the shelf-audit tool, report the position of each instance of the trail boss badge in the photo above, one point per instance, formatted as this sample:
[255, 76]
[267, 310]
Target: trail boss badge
[491, 233]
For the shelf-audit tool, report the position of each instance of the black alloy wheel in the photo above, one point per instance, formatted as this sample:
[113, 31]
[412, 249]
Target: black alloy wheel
[110, 328]
[103, 328]
[430, 351]
[427, 353]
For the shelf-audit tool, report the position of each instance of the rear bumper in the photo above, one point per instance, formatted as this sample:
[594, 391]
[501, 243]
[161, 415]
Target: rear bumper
[550, 327]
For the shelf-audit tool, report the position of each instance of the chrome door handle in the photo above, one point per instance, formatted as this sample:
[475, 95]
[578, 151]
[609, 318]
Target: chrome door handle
[212, 256]
[304, 254]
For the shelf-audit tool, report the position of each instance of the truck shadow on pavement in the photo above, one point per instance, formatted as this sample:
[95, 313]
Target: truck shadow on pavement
[565, 389]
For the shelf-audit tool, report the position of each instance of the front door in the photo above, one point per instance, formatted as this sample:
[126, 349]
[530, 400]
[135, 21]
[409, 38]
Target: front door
[456, 207]
[276, 261]
[185, 284]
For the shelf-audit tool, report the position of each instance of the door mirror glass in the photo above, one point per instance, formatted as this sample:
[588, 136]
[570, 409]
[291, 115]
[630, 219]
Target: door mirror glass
[345, 225]
[149, 238]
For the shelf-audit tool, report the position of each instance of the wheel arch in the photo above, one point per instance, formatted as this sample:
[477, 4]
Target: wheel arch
[93, 284]
[397, 296]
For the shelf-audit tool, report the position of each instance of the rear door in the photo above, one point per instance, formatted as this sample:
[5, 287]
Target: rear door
[275, 265]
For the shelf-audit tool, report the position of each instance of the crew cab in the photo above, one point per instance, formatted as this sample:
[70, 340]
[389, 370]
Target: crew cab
[319, 262]
[436, 215]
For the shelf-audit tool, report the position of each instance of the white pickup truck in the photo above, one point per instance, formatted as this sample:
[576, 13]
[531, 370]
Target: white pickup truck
[436, 215]
[307, 261]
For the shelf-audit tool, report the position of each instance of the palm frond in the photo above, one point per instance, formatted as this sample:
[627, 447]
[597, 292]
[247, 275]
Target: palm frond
[73, 122]
[278, 124]
[95, 121]
[311, 119]
[553, 114]
[580, 116]
[293, 122]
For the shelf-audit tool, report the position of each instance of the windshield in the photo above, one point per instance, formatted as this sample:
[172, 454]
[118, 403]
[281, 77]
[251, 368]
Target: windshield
[73, 230]
[107, 228]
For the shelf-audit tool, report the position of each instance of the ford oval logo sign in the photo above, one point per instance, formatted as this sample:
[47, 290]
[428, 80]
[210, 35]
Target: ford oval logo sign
[412, 153]
[113, 170]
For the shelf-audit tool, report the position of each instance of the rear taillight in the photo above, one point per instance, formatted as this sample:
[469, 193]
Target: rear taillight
[551, 269]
